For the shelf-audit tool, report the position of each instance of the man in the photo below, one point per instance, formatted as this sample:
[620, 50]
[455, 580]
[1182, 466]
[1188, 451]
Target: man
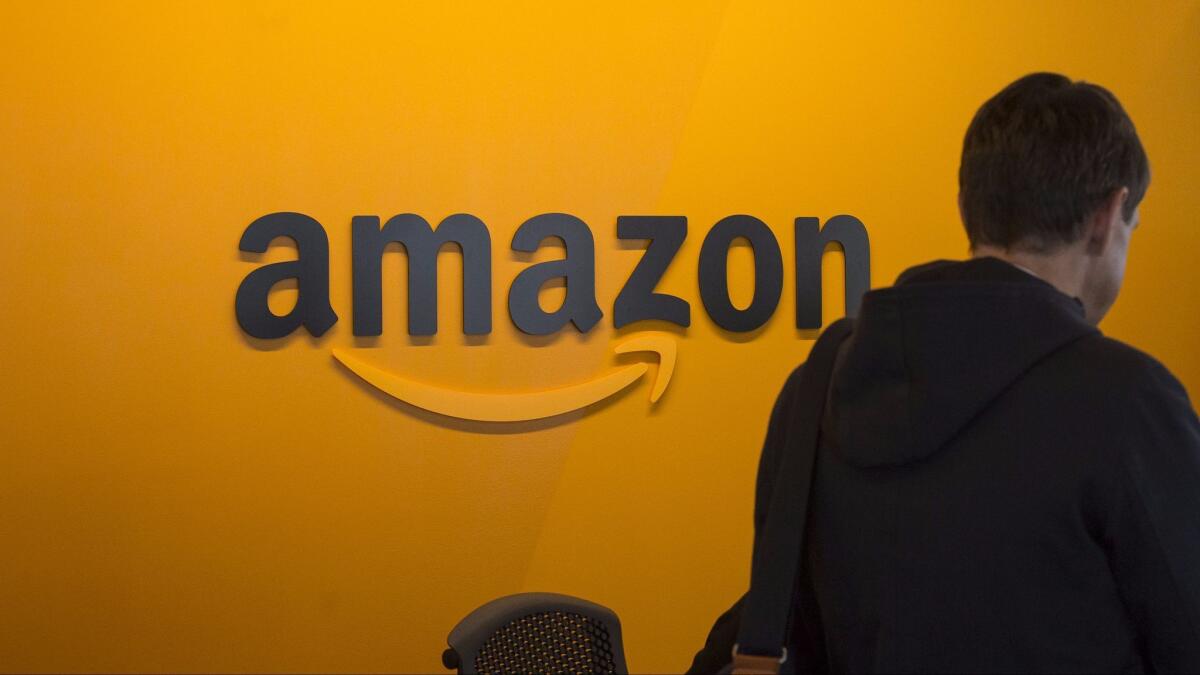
[999, 487]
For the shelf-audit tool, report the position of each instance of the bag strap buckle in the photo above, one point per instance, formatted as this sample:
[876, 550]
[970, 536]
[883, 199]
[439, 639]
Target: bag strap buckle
[756, 664]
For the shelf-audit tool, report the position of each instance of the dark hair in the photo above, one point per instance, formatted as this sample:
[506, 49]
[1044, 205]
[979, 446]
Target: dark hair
[1041, 156]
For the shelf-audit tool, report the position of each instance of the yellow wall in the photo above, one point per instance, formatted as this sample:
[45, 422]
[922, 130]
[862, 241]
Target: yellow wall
[176, 496]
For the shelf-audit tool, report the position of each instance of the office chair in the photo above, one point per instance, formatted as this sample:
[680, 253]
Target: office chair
[537, 633]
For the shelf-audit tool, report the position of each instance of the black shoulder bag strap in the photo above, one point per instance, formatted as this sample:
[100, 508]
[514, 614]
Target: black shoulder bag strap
[762, 633]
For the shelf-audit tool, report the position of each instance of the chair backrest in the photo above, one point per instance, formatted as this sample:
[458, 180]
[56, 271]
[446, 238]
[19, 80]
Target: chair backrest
[537, 633]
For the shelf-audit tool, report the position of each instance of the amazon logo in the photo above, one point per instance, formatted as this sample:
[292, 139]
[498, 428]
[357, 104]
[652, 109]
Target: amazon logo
[636, 301]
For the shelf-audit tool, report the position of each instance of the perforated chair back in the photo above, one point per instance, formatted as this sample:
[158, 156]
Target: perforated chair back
[537, 633]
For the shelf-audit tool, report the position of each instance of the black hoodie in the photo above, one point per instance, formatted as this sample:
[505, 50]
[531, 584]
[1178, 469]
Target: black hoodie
[1000, 488]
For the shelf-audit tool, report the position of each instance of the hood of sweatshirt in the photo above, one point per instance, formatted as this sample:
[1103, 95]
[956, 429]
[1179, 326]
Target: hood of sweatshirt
[930, 353]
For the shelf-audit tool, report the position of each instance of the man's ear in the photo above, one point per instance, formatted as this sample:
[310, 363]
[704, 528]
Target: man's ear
[1103, 223]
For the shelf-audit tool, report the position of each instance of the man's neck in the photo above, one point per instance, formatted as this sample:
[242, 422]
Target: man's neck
[1061, 269]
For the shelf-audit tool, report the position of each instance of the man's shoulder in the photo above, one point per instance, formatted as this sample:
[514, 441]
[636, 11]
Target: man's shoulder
[1108, 367]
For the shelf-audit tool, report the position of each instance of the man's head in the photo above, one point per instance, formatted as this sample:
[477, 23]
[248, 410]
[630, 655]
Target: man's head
[1053, 171]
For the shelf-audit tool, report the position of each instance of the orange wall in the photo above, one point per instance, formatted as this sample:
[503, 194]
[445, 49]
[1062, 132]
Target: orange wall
[177, 496]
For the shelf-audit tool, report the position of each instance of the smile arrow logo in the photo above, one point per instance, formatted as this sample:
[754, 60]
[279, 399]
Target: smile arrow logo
[517, 407]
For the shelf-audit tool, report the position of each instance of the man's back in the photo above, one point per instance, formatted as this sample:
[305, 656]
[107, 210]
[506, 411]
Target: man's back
[998, 486]
[1001, 488]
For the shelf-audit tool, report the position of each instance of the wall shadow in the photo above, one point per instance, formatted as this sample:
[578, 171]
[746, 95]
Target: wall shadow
[651, 325]
[280, 343]
[748, 336]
